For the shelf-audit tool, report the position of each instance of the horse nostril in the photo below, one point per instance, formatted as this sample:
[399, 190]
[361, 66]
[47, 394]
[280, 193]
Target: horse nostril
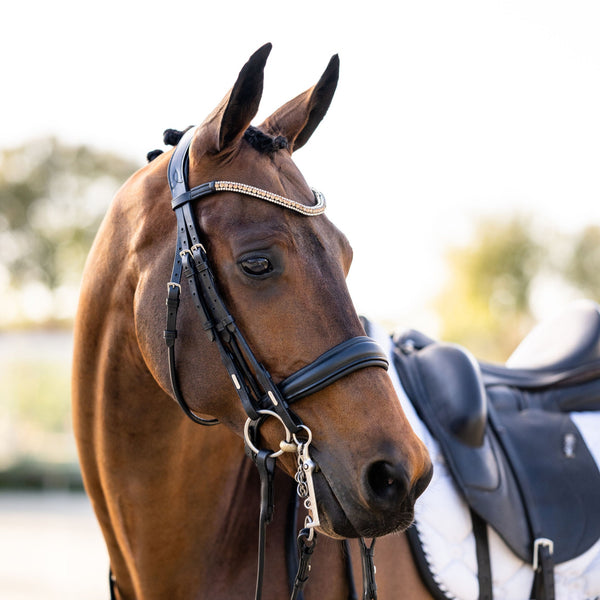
[422, 483]
[384, 481]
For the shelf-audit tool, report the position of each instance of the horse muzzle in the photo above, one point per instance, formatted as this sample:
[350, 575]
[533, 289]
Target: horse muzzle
[381, 501]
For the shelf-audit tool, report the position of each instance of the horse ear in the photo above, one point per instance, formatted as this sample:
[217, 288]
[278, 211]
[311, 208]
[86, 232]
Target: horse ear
[298, 119]
[233, 115]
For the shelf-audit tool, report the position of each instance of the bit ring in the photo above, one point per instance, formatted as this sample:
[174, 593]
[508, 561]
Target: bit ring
[270, 413]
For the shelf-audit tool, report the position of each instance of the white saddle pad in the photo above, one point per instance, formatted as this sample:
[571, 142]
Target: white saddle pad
[445, 530]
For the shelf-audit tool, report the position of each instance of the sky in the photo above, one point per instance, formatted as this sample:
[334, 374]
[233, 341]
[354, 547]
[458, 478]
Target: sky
[445, 112]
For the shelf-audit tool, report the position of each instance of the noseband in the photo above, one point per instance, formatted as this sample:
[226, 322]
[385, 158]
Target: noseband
[259, 395]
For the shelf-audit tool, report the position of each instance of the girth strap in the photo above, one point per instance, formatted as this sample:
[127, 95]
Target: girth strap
[482, 552]
[543, 570]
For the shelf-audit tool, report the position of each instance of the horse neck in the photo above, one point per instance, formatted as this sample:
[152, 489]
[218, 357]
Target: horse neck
[164, 489]
[183, 508]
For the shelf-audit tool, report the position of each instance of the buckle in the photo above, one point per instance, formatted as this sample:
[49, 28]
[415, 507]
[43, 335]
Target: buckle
[173, 293]
[536, 549]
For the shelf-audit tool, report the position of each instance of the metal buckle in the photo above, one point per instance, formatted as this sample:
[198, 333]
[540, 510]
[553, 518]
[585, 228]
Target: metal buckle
[536, 548]
[172, 284]
[306, 487]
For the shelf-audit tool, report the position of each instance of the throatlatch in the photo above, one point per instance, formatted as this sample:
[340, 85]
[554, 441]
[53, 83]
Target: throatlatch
[259, 395]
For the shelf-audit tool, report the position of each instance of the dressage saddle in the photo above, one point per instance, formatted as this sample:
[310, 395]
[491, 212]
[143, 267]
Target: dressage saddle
[507, 437]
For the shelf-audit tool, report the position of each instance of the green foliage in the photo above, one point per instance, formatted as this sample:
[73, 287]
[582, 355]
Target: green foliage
[39, 393]
[52, 199]
[486, 304]
[583, 267]
[37, 443]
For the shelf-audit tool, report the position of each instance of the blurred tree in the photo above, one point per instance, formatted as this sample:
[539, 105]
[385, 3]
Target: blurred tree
[583, 267]
[52, 199]
[485, 302]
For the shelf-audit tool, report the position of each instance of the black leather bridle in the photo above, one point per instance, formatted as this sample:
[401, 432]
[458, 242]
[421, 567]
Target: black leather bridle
[259, 395]
[251, 380]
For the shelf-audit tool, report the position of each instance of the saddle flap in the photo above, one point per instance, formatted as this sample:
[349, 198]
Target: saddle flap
[558, 479]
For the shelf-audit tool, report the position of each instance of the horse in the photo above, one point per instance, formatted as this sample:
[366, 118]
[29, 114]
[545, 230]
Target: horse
[258, 317]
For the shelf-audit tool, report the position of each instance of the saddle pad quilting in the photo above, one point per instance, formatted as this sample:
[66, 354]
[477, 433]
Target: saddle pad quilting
[444, 526]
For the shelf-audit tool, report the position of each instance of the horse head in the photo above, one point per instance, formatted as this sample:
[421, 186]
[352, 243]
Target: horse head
[280, 267]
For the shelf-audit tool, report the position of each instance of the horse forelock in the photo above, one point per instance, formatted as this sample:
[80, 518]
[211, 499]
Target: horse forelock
[263, 142]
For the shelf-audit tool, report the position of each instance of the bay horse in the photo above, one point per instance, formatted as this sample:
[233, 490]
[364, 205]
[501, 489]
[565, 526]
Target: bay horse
[262, 318]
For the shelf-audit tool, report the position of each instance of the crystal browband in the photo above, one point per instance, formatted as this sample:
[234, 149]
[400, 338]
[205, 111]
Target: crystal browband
[249, 190]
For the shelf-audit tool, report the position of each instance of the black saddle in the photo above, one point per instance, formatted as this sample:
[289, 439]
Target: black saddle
[509, 442]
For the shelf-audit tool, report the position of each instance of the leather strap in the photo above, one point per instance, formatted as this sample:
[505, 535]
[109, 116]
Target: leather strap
[341, 360]
[112, 584]
[305, 552]
[368, 569]
[170, 334]
[543, 579]
[538, 378]
[349, 570]
[266, 469]
[290, 541]
[482, 551]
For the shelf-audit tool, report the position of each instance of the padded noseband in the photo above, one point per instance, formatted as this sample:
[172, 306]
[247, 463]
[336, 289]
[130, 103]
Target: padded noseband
[341, 360]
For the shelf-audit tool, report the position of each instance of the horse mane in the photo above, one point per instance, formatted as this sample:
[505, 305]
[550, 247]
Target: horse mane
[260, 141]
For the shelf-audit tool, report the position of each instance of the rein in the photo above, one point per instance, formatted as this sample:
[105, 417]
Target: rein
[261, 398]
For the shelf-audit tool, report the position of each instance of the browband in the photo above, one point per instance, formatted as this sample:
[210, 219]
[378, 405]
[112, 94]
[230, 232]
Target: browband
[212, 187]
[181, 195]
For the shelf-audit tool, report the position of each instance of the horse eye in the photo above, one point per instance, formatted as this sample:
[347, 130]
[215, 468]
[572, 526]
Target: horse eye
[257, 265]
